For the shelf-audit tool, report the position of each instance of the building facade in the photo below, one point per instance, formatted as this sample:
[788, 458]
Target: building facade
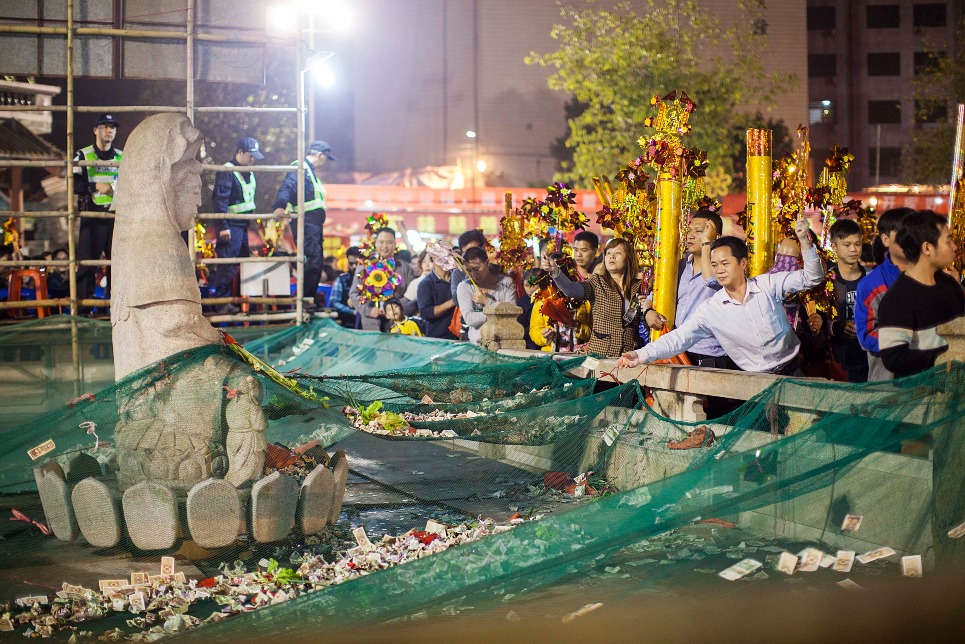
[863, 57]
[426, 72]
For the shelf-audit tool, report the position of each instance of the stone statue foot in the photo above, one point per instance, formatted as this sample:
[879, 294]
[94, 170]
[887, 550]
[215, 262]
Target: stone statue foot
[97, 512]
[317, 498]
[274, 500]
[214, 513]
[55, 498]
[339, 466]
[151, 515]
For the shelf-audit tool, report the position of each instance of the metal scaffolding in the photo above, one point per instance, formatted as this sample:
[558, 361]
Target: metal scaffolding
[190, 37]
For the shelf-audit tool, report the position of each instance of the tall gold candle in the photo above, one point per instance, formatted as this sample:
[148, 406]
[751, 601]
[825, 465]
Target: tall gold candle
[759, 182]
[956, 194]
[669, 213]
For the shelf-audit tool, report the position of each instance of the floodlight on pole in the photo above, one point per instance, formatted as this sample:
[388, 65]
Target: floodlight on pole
[470, 134]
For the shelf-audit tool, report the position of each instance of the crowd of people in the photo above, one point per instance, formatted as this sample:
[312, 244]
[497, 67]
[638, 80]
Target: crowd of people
[884, 323]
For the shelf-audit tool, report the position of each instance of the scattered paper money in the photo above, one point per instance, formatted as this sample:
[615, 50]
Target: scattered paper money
[36, 452]
[6, 624]
[33, 599]
[851, 523]
[138, 578]
[107, 586]
[180, 578]
[167, 566]
[740, 569]
[874, 555]
[591, 363]
[361, 538]
[957, 532]
[436, 528]
[911, 566]
[847, 584]
[844, 561]
[138, 603]
[810, 559]
[827, 560]
[786, 563]
[580, 613]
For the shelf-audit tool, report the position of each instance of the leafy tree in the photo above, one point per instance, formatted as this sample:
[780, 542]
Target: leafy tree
[615, 60]
[937, 88]
[782, 144]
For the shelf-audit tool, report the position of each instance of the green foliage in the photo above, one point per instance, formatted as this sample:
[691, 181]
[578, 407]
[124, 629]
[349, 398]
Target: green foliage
[387, 420]
[928, 158]
[614, 60]
[782, 145]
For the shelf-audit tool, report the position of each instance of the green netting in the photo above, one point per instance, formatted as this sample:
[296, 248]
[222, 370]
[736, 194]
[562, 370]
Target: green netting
[499, 464]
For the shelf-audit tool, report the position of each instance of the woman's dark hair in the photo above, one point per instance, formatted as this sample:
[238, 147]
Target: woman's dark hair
[738, 248]
[918, 228]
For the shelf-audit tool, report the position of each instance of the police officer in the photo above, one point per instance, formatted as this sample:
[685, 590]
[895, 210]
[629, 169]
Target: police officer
[318, 153]
[234, 193]
[94, 187]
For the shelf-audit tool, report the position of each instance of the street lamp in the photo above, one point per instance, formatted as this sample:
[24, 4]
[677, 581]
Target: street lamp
[474, 139]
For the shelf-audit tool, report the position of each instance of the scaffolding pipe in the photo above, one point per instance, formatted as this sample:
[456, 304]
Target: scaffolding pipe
[71, 202]
[145, 33]
[300, 179]
[148, 108]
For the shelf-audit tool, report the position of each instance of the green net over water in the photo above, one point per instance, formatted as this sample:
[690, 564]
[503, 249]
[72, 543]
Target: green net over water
[480, 480]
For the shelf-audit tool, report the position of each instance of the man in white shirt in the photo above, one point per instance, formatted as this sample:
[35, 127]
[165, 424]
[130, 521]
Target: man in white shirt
[747, 315]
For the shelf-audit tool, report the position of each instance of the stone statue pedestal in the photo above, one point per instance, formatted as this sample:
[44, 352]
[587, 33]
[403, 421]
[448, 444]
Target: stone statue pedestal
[502, 330]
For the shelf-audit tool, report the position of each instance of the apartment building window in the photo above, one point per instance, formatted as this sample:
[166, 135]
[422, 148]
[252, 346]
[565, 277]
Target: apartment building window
[884, 16]
[927, 62]
[932, 14]
[822, 65]
[884, 112]
[821, 18]
[931, 111]
[890, 162]
[884, 64]
[820, 112]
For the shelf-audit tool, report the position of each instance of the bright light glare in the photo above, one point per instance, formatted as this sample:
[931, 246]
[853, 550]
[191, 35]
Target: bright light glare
[324, 76]
[415, 240]
[826, 103]
[470, 134]
[481, 165]
[332, 14]
[281, 19]
[939, 201]
[873, 201]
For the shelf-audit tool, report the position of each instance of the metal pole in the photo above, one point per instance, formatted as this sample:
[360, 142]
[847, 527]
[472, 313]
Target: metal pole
[71, 203]
[300, 178]
[189, 93]
[878, 158]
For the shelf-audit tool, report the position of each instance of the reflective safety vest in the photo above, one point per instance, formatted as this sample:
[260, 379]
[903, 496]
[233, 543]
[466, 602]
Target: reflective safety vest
[247, 193]
[101, 174]
[318, 200]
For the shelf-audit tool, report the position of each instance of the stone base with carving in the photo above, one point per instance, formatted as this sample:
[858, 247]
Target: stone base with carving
[81, 501]
[502, 329]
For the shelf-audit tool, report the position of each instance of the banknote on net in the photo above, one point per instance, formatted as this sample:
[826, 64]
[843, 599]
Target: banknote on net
[361, 538]
[957, 532]
[844, 561]
[740, 569]
[827, 561]
[851, 523]
[847, 584]
[874, 555]
[139, 578]
[810, 559]
[36, 452]
[911, 566]
[786, 563]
